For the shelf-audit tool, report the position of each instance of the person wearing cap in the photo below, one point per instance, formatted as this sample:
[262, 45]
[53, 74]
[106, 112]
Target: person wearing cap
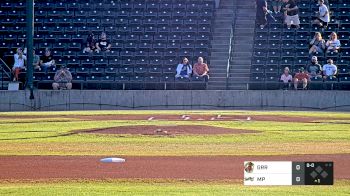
[63, 79]
[318, 44]
[286, 78]
[19, 58]
[47, 60]
[314, 69]
[103, 44]
[301, 77]
[184, 69]
[329, 69]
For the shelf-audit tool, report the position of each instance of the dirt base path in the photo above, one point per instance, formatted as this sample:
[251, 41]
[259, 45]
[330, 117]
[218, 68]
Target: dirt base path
[197, 168]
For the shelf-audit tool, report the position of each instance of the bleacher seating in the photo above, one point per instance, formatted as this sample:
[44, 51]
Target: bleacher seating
[276, 46]
[148, 37]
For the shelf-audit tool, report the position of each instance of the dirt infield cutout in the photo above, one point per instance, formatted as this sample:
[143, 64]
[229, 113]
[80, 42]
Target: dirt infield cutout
[168, 130]
[162, 167]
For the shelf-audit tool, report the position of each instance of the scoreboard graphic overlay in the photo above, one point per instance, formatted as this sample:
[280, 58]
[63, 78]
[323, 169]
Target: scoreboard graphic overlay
[288, 173]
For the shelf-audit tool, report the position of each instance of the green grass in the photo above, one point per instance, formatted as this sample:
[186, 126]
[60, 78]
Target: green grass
[51, 136]
[48, 136]
[166, 188]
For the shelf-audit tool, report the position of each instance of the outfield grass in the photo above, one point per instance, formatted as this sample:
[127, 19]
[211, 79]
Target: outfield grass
[52, 136]
[166, 188]
[48, 136]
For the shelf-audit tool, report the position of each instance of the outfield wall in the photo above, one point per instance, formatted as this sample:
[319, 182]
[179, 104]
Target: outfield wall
[109, 100]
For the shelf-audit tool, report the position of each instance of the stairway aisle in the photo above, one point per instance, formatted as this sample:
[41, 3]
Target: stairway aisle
[242, 45]
[220, 45]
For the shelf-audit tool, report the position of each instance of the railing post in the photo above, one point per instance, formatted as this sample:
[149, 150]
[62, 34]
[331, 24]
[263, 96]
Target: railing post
[30, 35]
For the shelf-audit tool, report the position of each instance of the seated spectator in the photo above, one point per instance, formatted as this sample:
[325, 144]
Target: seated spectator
[291, 11]
[314, 69]
[201, 69]
[184, 69]
[63, 79]
[47, 60]
[277, 5]
[301, 77]
[323, 15]
[261, 10]
[103, 44]
[90, 43]
[329, 69]
[36, 61]
[333, 44]
[286, 78]
[317, 44]
[18, 65]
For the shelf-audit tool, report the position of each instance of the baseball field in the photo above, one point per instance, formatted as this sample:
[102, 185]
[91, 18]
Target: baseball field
[166, 152]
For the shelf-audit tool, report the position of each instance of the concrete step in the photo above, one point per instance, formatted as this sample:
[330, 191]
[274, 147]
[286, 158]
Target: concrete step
[240, 75]
[217, 75]
[220, 49]
[241, 61]
[239, 70]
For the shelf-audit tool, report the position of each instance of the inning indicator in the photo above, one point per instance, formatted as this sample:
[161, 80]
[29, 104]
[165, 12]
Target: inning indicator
[288, 173]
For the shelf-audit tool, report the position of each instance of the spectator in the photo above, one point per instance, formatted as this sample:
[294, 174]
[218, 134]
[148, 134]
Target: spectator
[286, 78]
[90, 43]
[184, 69]
[314, 69]
[103, 44]
[317, 44]
[333, 44]
[329, 69]
[323, 15]
[291, 13]
[201, 69]
[36, 61]
[47, 60]
[301, 77]
[19, 58]
[277, 5]
[261, 10]
[63, 79]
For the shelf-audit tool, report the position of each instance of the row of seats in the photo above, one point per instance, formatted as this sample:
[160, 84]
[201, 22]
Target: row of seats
[277, 46]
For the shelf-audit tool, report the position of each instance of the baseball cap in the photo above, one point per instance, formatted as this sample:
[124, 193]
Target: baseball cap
[314, 58]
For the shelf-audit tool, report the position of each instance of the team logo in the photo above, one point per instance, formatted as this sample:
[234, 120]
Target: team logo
[249, 167]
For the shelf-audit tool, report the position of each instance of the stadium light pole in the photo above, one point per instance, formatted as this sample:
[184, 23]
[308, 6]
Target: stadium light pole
[30, 35]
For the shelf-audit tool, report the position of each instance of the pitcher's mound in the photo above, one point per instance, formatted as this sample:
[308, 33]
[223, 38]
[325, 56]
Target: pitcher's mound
[168, 130]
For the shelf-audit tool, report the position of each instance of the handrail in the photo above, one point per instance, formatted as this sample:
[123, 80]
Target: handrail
[9, 69]
[230, 47]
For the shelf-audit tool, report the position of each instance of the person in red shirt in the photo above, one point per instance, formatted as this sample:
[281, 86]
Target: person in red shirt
[301, 77]
[200, 68]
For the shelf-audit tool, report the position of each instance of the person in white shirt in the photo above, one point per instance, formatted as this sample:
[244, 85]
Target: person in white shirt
[184, 69]
[19, 58]
[286, 79]
[329, 69]
[333, 44]
[323, 15]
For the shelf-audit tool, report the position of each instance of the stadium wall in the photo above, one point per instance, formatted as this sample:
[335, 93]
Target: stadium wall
[47, 100]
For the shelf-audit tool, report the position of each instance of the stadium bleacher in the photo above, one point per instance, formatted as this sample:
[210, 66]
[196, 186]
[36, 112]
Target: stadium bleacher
[149, 38]
[276, 46]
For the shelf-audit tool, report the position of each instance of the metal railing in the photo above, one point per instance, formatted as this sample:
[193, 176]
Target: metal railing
[230, 47]
[3, 68]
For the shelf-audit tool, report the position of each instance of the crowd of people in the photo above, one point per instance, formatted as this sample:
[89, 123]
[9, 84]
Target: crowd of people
[289, 11]
[63, 77]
